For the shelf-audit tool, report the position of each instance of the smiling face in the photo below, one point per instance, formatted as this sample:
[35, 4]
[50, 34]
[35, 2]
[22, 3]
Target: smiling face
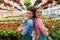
[29, 14]
[38, 13]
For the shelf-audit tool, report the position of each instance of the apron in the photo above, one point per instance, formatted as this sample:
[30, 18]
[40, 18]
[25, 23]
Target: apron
[27, 37]
[42, 37]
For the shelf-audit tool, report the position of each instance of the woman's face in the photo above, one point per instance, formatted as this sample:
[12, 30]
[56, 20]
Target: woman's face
[38, 13]
[29, 14]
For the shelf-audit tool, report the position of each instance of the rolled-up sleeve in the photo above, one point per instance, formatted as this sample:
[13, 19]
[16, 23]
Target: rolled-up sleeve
[27, 26]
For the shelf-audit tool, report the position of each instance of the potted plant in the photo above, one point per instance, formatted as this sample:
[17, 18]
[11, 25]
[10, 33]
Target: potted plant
[27, 3]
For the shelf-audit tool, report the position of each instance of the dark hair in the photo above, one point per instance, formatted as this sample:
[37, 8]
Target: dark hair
[33, 9]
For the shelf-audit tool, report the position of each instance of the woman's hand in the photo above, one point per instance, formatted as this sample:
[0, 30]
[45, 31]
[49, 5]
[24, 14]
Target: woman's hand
[46, 29]
[20, 29]
[46, 32]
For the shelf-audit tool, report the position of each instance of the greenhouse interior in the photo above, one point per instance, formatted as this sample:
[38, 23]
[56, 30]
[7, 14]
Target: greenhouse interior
[13, 15]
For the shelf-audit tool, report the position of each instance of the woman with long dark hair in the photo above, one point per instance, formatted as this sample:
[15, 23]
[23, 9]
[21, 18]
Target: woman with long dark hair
[27, 27]
[40, 30]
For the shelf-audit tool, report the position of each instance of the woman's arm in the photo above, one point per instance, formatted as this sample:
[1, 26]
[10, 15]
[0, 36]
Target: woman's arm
[40, 25]
[27, 26]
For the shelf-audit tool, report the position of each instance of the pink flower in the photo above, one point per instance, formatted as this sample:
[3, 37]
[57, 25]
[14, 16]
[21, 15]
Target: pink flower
[17, 0]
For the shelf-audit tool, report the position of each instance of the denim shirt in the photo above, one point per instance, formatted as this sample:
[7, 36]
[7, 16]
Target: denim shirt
[28, 24]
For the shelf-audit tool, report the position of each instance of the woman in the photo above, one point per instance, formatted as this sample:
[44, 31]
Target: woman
[40, 30]
[27, 27]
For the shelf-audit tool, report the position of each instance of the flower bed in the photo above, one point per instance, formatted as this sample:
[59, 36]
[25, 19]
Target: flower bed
[10, 24]
[8, 30]
[55, 35]
[10, 34]
[54, 28]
